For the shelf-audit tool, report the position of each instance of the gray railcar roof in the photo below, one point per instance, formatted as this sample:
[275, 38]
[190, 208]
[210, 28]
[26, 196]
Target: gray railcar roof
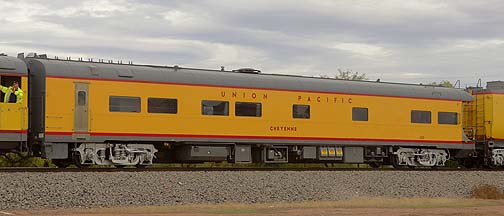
[489, 91]
[95, 70]
[12, 65]
[496, 87]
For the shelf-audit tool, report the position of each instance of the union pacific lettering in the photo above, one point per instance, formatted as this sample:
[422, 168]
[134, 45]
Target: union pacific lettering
[324, 99]
[300, 98]
[244, 95]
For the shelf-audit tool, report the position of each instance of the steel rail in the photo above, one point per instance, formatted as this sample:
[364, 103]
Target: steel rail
[231, 169]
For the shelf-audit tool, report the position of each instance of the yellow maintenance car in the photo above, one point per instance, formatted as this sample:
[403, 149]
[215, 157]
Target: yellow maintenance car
[485, 124]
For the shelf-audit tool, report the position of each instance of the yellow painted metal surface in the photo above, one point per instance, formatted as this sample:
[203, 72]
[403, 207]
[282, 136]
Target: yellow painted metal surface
[11, 116]
[331, 114]
[494, 107]
[486, 116]
[498, 116]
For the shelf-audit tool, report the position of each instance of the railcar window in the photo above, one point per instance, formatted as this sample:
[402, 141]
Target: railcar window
[209, 107]
[81, 98]
[448, 118]
[124, 104]
[359, 114]
[248, 109]
[418, 116]
[301, 111]
[7, 81]
[162, 105]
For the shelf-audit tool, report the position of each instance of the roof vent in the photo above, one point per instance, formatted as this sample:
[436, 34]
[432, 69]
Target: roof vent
[247, 70]
[3, 54]
[93, 71]
[126, 73]
[31, 55]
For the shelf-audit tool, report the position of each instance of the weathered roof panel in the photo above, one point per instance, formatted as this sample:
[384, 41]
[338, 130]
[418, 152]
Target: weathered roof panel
[12, 65]
[233, 79]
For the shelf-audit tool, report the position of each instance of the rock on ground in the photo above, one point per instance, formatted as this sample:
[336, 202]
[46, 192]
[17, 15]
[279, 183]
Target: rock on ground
[102, 189]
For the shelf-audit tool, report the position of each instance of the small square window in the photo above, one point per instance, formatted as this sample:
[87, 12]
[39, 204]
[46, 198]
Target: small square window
[301, 111]
[359, 114]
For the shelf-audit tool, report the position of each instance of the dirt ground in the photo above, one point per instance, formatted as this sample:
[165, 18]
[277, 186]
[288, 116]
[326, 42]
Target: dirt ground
[375, 207]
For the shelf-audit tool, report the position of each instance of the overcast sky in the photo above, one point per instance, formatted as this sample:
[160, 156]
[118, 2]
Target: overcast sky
[397, 40]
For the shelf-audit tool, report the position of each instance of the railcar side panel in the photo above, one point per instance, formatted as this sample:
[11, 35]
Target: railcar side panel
[389, 118]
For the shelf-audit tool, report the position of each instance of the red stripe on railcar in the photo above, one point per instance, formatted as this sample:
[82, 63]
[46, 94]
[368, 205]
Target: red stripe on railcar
[257, 137]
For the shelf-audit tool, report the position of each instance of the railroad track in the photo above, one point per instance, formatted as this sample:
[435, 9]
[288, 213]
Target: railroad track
[213, 169]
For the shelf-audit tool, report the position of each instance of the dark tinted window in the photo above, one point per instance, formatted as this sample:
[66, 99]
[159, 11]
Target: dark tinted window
[124, 104]
[248, 109]
[359, 114]
[301, 111]
[209, 107]
[418, 116]
[162, 105]
[81, 98]
[448, 118]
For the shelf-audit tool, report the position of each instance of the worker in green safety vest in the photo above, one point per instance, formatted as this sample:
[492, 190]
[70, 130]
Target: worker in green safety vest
[13, 94]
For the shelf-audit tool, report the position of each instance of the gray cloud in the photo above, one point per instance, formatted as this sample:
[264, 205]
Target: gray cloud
[402, 41]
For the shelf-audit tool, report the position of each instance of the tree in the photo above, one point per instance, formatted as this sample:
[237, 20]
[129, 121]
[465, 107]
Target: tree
[444, 83]
[347, 75]
[350, 75]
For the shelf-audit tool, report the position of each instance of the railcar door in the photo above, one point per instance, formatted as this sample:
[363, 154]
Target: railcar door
[81, 114]
[12, 116]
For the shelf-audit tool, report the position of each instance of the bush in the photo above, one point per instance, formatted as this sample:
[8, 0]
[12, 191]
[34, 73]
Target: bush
[486, 192]
[22, 160]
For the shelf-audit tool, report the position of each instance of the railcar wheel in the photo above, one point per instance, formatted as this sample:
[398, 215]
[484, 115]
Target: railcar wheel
[468, 163]
[76, 160]
[488, 163]
[82, 165]
[375, 165]
[61, 163]
[394, 160]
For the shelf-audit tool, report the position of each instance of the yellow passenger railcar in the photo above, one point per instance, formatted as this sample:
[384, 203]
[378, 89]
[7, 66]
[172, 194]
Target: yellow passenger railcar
[102, 113]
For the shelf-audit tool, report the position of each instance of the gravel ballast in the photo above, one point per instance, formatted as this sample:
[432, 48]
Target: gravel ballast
[103, 189]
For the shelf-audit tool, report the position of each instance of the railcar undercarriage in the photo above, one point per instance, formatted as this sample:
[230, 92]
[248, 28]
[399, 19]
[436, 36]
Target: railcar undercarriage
[418, 157]
[141, 155]
[114, 154]
[497, 157]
